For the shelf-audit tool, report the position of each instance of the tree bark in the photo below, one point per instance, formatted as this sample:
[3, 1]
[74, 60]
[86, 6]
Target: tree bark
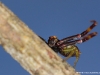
[27, 48]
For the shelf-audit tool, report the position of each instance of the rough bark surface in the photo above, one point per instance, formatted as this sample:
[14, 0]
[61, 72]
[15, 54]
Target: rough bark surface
[28, 49]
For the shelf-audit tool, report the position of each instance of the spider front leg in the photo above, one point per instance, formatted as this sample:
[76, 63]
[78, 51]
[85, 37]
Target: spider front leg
[77, 36]
[65, 40]
[89, 28]
[89, 36]
[70, 43]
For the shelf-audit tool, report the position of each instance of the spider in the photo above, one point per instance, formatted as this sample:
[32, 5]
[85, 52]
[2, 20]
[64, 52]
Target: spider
[67, 46]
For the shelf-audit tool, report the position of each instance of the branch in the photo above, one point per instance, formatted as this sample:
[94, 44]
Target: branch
[28, 49]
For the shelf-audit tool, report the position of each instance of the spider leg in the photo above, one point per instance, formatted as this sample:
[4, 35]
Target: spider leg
[65, 40]
[77, 58]
[70, 43]
[77, 54]
[89, 28]
[89, 36]
[84, 39]
[77, 36]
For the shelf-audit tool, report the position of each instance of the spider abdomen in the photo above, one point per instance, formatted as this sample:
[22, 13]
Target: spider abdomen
[69, 50]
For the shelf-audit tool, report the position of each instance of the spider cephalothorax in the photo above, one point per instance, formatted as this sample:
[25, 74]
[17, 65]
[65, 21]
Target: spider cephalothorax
[67, 46]
[52, 41]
